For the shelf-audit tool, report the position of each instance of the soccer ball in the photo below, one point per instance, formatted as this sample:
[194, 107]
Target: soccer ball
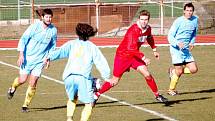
[96, 84]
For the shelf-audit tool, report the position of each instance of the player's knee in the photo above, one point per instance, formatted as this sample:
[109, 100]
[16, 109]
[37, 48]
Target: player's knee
[148, 77]
[179, 72]
[194, 70]
[33, 83]
[21, 80]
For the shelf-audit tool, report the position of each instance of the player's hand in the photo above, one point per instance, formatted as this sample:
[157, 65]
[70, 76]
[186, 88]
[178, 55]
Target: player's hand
[157, 55]
[146, 60]
[181, 45]
[191, 46]
[20, 59]
[46, 62]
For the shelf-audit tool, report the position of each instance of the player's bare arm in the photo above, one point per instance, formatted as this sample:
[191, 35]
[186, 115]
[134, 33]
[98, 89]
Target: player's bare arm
[146, 60]
[181, 45]
[46, 63]
[20, 59]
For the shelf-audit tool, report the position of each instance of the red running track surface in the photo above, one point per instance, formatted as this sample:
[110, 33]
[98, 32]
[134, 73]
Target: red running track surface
[112, 41]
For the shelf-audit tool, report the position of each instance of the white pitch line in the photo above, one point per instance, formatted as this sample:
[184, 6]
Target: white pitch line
[3, 63]
[41, 93]
[140, 108]
[11, 56]
[108, 97]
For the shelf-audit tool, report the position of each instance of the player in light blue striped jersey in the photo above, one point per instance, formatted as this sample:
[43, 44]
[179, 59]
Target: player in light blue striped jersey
[35, 44]
[181, 37]
[82, 54]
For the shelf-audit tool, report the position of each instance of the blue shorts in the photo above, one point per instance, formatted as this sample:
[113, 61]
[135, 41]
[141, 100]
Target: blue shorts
[180, 56]
[77, 85]
[33, 69]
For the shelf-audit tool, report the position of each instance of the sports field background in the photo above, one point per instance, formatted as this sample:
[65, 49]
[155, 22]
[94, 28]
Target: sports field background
[129, 101]
[111, 24]
[132, 99]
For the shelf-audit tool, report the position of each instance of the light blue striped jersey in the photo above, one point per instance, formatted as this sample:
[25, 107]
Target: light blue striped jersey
[183, 30]
[36, 42]
[81, 57]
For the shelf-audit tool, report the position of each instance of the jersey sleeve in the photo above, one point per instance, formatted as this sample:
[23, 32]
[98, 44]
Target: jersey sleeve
[193, 37]
[54, 39]
[26, 37]
[62, 52]
[101, 63]
[150, 39]
[172, 32]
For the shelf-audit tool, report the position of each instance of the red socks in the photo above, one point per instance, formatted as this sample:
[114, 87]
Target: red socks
[151, 83]
[105, 87]
[149, 79]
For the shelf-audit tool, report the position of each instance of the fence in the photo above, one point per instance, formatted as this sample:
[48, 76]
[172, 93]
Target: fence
[112, 18]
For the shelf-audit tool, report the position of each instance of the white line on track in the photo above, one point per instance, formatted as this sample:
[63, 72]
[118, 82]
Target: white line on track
[113, 46]
[108, 97]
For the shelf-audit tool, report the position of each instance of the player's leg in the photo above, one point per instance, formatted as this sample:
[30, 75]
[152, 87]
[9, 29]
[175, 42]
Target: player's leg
[71, 91]
[30, 92]
[16, 83]
[120, 66]
[140, 66]
[174, 77]
[149, 79]
[151, 83]
[71, 105]
[176, 71]
[190, 67]
[86, 112]
[24, 71]
[107, 85]
[85, 95]
[190, 64]
[36, 71]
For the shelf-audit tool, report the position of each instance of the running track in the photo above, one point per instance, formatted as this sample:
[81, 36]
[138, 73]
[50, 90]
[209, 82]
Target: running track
[201, 39]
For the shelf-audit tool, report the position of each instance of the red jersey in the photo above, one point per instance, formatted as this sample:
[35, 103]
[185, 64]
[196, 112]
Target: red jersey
[132, 41]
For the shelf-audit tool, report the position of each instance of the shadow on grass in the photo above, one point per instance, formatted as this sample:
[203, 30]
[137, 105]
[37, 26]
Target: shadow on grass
[201, 91]
[168, 104]
[64, 106]
[46, 109]
[100, 104]
[156, 119]
[172, 102]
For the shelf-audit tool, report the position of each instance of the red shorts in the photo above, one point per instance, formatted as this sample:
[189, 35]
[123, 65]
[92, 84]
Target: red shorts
[123, 64]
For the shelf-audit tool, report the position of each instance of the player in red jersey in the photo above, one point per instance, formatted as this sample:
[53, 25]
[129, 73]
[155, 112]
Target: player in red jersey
[129, 56]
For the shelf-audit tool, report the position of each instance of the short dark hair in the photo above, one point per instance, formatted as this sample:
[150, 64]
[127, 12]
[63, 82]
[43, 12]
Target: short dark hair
[144, 13]
[84, 31]
[47, 11]
[188, 5]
